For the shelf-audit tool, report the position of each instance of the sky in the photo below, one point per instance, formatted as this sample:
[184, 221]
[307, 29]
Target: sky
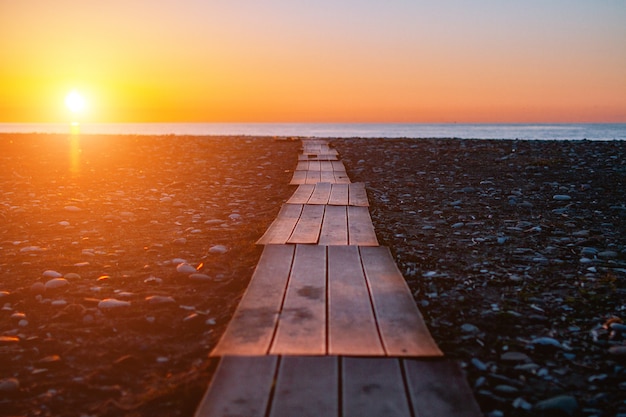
[480, 61]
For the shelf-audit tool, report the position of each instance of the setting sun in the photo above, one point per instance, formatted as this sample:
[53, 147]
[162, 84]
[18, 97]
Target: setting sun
[75, 102]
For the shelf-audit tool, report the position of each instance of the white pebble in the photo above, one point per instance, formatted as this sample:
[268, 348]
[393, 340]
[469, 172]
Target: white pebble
[185, 268]
[218, 249]
[160, 299]
[110, 303]
[199, 277]
[56, 283]
[51, 274]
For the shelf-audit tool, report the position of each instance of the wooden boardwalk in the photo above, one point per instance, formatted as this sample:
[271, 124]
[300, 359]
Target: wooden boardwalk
[328, 326]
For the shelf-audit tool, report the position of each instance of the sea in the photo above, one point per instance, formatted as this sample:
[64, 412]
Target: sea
[559, 131]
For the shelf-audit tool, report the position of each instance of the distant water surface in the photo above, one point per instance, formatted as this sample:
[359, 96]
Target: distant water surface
[615, 131]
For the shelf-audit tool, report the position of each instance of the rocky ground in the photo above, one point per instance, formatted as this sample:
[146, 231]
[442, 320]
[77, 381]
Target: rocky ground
[516, 254]
[95, 319]
[515, 251]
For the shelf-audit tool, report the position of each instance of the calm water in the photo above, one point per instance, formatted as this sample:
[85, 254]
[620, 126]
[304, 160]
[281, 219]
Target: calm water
[465, 131]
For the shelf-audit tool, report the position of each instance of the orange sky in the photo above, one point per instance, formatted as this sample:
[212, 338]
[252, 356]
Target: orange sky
[323, 61]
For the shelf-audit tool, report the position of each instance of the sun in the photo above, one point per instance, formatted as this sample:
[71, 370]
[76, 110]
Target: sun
[75, 102]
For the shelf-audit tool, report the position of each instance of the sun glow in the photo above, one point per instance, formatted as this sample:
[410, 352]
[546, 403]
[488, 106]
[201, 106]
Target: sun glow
[75, 102]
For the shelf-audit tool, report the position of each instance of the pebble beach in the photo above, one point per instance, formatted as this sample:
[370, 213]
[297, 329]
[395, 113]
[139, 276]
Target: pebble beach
[122, 259]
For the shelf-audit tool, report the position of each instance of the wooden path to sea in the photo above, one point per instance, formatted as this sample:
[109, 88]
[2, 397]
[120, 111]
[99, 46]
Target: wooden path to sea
[328, 325]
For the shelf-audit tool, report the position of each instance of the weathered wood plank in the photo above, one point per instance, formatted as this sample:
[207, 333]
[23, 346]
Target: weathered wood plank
[339, 195]
[302, 194]
[299, 177]
[341, 177]
[338, 166]
[281, 228]
[327, 176]
[308, 228]
[302, 325]
[351, 324]
[439, 388]
[307, 387]
[360, 228]
[358, 195]
[302, 166]
[334, 226]
[227, 396]
[318, 157]
[374, 387]
[326, 166]
[320, 194]
[400, 323]
[313, 177]
[314, 165]
[251, 330]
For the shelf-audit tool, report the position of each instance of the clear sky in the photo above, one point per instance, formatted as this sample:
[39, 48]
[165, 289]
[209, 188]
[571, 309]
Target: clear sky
[314, 60]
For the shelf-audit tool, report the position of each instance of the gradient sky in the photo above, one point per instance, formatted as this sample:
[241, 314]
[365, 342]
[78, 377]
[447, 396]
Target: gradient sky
[314, 60]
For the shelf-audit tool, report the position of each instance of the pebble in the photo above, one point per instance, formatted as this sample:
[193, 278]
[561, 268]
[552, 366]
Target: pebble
[9, 385]
[608, 254]
[72, 209]
[112, 303]
[8, 340]
[160, 299]
[184, 268]
[561, 197]
[72, 276]
[200, 277]
[219, 249]
[618, 351]
[565, 404]
[515, 357]
[52, 274]
[469, 328]
[56, 283]
[478, 364]
[546, 342]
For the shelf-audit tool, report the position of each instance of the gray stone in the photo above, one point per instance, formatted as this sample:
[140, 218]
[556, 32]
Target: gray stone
[515, 357]
[9, 385]
[561, 197]
[563, 403]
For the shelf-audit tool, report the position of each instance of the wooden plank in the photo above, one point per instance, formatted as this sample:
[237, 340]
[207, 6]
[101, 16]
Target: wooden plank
[299, 177]
[308, 228]
[339, 195]
[318, 157]
[400, 323]
[360, 228]
[374, 387]
[302, 166]
[351, 324]
[281, 228]
[313, 177]
[307, 387]
[338, 166]
[227, 396]
[251, 330]
[341, 177]
[314, 165]
[439, 388]
[327, 176]
[302, 194]
[321, 193]
[326, 166]
[358, 195]
[302, 325]
[334, 226]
